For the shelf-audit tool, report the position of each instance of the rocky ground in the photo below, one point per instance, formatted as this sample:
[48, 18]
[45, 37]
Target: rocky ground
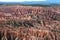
[29, 23]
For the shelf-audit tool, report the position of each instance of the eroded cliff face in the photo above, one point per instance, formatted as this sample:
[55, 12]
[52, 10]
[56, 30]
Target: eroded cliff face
[23, 33]
[29, 23]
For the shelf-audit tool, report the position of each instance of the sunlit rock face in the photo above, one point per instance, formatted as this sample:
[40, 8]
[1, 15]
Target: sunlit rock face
[29, 23]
